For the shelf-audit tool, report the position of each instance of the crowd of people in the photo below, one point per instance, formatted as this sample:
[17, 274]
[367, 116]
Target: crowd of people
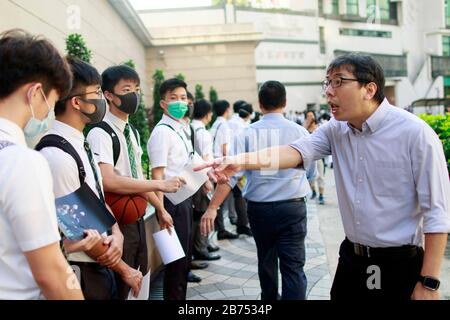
[389, 169]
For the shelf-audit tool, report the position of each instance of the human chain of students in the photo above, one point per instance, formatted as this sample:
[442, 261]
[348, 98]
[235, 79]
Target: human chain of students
[389, 166]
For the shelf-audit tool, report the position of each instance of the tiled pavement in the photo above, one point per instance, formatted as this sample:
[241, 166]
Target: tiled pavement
[235, 276]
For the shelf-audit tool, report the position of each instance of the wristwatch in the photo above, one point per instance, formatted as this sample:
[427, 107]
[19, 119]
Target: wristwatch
[430, 283]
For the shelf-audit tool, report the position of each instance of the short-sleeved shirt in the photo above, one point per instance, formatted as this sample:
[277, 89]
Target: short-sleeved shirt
[101, 145]
[220, 132]
[27, 213]
[391, 177]
[168, 147]
[203, 141]
[65, 170]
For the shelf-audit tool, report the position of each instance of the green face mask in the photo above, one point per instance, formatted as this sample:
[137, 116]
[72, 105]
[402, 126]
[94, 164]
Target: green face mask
[177, 109]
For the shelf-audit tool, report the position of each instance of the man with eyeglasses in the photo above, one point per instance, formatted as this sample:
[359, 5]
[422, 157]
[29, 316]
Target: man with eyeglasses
[392, 184]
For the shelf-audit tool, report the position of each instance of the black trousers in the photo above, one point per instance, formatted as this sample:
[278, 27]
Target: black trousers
[240, 205]
[175, 274]
[390, 276]
[199, 242]
[97, 282]
[279, 230]
[134, 253]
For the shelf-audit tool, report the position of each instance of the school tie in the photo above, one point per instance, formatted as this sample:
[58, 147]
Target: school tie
[131, 155]
[87, 147]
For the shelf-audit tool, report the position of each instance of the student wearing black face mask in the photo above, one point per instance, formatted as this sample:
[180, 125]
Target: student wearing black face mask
[84, 105]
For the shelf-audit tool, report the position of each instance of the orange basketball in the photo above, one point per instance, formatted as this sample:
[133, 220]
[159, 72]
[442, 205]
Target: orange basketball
[126, 208]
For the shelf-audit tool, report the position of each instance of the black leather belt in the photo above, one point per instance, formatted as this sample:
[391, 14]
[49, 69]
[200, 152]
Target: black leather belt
[302, 199]
[406, 251]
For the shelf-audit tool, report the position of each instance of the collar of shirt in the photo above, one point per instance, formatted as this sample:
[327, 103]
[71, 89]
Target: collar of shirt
[119, 123]
[273, 116]
[198, 124]
[68, 132]
[13, 131]
[178, 126]
[220, 119]
[375, 120]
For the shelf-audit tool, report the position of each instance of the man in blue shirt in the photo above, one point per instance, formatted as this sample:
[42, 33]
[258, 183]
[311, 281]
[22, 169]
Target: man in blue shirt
[276, 200]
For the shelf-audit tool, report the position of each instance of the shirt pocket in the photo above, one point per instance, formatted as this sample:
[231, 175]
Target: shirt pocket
[391, 178]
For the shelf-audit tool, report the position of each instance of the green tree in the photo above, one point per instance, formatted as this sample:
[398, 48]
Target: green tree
[180, 76]
[158, 78]
[139, 120]
[76, 47]
[213, 95]
[199, 92]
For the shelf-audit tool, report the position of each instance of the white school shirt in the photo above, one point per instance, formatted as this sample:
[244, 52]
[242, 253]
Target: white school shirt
[169, 148]
[27, 213]
[391, 177]
[220, 132]
[101, 146]
[65, 170]
[203, 139]
[237, 126]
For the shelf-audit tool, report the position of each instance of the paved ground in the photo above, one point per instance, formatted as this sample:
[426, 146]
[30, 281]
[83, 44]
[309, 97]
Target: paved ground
[235, 276]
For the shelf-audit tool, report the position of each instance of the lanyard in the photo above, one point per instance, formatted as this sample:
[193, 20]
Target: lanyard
[190, 154]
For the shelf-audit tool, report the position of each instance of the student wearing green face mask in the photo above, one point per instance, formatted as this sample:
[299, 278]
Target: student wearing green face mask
[169, 151]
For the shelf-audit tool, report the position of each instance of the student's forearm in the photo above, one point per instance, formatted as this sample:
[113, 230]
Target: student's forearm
[435, 244]
[281, 157]
[155, 201]
[158, 173]
[219, 196]
[124, 185]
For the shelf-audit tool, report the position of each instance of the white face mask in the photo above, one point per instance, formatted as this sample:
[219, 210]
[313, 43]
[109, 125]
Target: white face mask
[35, 126]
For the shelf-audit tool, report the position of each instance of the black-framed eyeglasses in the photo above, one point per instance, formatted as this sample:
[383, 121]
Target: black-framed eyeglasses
[337, 82]
[98, 92]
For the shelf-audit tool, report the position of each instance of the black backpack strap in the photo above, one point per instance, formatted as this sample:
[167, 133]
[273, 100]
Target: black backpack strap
[115, 139]
[53, 140]
[192, 136]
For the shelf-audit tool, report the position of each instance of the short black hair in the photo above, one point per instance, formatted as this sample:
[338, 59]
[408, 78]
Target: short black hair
[112, 76]
[170, 85]
[25, 58]
[190, 96]
[365, 68]
[220, 107]
[202, 108]
[245, 110]
[237, 104]
[272, 95]
[84, 75]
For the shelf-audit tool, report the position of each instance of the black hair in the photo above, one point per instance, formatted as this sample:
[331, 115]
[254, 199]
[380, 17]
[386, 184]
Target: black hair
[272, 95]
[220, 107]
[202, 108]
[365, 68]
[170, 85]
[190, 96]
[316, 121]
[112, 76]
[84, 75]
[25, 58]
[245, 110]
[237, 105]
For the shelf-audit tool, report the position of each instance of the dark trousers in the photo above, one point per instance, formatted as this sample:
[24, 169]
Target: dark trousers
[279, 230]
[200, 243]
[175, 274]
[240, 205]
[394, 278]
[134, 253]
[97, 282]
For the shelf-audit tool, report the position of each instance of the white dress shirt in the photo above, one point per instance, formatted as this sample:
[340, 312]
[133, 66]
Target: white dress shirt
[237, 125]
[391, 178]
[203, 140]
[101, 145]
[220, 132]
[169, 148]
[65, 170]
[27, 213]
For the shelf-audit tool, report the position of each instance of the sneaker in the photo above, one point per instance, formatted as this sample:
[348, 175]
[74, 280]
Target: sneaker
[313, 196]
[226, 235]
[321, 200]
[244, 230]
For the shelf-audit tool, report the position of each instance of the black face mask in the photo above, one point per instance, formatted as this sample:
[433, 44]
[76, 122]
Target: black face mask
[100, 110]
[130, 102]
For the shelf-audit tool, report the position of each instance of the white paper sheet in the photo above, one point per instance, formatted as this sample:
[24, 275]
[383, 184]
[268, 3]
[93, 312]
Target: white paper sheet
[168, 245]
[144, 294]
[194, 180]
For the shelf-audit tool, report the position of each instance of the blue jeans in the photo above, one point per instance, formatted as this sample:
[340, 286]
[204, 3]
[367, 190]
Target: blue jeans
[279, 230]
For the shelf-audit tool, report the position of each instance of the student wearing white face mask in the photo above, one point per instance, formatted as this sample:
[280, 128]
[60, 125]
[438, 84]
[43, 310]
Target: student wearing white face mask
[33, 76]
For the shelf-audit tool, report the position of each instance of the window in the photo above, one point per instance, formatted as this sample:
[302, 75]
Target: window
[352, 7]
[447, 14]
[322, 40]
[321, 7]
[335, 7]
[446, 46]
[385, 13]
[371, 9]
[365, 33]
